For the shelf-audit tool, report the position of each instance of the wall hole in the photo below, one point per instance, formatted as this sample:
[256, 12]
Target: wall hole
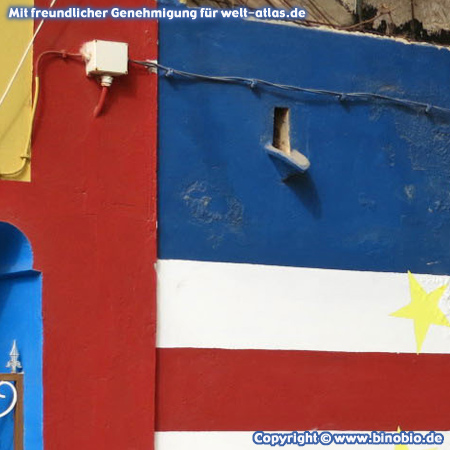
[281, 130]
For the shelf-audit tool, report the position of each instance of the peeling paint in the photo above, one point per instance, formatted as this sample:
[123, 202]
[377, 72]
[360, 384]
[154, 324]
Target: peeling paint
[434, 15]
[422, 133]
[367, 202]
[410, 191]
[390, 153]
[208, 206]
[419, 20]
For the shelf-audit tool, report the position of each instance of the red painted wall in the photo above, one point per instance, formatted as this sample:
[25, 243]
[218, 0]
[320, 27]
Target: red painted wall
[90, 214]
[316, 389]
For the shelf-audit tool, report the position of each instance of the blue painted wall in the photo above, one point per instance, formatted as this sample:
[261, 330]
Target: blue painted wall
[377, 194]
[16, 254]
[20, 319]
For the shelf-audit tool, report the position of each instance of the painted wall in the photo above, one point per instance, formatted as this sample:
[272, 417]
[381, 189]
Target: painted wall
[15, 113]
[376, 195]
[89, 214]
[21, 320]
[257, 330]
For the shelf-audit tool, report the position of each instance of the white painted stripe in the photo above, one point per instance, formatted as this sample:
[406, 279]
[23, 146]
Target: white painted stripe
[246, 306]
[236, 440]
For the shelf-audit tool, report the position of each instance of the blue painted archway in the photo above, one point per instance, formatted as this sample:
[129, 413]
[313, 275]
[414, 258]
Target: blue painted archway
[21, 320]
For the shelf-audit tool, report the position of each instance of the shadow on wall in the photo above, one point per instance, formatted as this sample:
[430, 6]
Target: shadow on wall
[15, 250]
[15, 257]
[305, 189]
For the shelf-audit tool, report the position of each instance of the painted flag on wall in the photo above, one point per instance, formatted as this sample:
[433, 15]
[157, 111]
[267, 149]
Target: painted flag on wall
[288, 306]
[247, 347]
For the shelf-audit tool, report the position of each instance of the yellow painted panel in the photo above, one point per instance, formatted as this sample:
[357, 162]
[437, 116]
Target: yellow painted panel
[15, 112]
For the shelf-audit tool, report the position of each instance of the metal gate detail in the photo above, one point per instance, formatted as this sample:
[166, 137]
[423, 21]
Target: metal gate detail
[11, 386]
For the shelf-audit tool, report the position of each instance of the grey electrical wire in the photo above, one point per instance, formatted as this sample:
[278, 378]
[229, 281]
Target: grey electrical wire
[254, 82]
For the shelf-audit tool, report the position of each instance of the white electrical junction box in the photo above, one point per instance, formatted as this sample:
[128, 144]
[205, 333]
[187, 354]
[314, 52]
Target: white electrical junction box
[105, 57]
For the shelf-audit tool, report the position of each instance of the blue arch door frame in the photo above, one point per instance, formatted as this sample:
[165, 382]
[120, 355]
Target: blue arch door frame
[21, 320]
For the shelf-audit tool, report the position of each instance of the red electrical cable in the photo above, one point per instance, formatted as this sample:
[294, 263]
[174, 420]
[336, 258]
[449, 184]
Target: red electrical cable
[62, 53]
[101, 102]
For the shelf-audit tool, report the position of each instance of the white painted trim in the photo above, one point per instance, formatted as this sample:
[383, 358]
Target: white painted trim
[246, 306]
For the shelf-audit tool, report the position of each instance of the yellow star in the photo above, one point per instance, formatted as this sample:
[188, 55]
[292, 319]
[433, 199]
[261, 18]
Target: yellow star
[423, 309]
[402, 446]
